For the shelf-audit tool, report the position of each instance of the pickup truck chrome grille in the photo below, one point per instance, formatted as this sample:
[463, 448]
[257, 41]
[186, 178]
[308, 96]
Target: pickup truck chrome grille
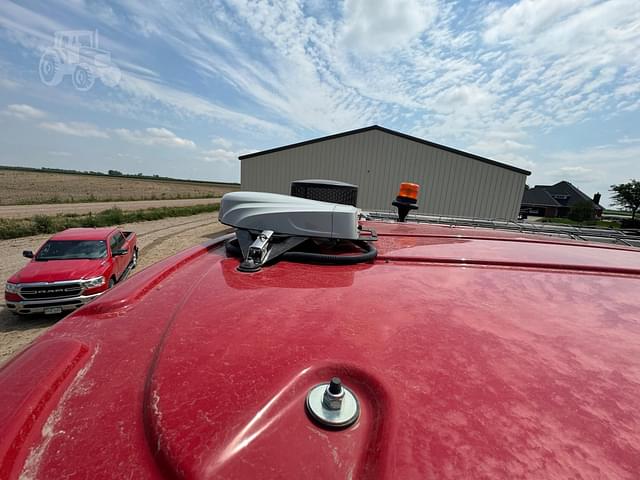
[50, 292]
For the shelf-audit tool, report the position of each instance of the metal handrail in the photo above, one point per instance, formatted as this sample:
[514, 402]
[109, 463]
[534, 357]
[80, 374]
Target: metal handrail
[629, 238]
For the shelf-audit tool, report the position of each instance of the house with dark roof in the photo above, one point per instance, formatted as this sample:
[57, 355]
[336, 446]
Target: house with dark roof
[557, 200]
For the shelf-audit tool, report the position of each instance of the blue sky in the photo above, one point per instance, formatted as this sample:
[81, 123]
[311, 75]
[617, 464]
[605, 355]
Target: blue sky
[552, 86]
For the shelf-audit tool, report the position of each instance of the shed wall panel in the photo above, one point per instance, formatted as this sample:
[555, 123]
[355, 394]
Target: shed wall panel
[451, 184]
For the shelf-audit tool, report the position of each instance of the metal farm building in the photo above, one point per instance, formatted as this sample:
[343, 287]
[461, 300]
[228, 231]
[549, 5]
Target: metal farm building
[377, 159]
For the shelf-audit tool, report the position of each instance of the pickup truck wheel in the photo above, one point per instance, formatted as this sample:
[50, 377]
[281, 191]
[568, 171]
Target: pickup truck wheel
[134, 258]
[112, 282]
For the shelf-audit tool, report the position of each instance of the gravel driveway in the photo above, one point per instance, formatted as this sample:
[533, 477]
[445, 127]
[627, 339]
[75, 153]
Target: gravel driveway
[156, 240]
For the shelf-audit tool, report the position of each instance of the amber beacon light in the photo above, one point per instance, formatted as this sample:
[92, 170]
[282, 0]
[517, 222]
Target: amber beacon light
[407, 199]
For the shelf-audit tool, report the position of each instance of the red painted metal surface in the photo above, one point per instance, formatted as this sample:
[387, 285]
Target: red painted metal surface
[85, 234]
[496, 357]
[60, 270]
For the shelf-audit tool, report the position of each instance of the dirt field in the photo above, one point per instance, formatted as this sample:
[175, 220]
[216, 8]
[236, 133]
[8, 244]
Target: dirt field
[27, 211]
[156, 240]
[20, 187]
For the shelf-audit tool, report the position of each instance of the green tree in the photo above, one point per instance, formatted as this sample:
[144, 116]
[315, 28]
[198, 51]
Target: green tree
[582, 211]
[627, 195]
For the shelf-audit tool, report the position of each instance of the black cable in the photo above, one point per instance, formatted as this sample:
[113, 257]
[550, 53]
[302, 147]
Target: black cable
[323, 258]
[233, 249]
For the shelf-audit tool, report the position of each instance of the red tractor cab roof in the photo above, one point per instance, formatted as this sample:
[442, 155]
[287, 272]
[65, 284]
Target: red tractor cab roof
[472, 354]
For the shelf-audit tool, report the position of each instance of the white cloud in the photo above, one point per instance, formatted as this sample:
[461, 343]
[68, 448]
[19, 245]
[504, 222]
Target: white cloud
[99, 11]
[7, 83]
[628, 89]
[629, 140]
[488, 79]
[294, 81]
[463, 99]
[128, 155]
[591, 169]
[76, 129]
[29, 28]
[528, 17]
[611, 156]
[154, 136]
[219, 155]
[567, 53]
[222, 142]
[23, 111]
[577, 174]
[543, 63]
[182, 102]
[505, 147]
[34, 31]
[375, 26]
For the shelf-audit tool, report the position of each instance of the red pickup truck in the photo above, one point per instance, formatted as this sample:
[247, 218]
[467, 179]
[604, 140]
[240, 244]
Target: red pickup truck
[70, 269]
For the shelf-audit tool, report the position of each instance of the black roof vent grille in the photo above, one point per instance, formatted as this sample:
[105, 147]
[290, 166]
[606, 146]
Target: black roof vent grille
[326, 191]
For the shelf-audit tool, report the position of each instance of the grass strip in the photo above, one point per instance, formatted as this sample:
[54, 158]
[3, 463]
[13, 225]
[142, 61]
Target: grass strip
[93, 199]
[41, 224]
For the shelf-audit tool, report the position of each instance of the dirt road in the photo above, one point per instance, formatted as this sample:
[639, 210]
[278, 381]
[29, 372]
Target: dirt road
[27, 211]
[156, 240]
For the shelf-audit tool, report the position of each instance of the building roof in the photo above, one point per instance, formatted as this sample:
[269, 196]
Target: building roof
[543, 195]
[391, 132]
[539, 196]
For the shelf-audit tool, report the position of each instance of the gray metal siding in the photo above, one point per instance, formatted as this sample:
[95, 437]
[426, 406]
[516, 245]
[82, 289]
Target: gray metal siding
[377, 162]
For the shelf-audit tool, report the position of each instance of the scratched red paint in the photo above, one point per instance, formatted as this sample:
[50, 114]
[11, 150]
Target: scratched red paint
[474, 354]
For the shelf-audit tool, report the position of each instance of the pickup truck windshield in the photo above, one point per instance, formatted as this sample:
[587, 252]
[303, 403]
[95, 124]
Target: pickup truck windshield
[68, 249]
